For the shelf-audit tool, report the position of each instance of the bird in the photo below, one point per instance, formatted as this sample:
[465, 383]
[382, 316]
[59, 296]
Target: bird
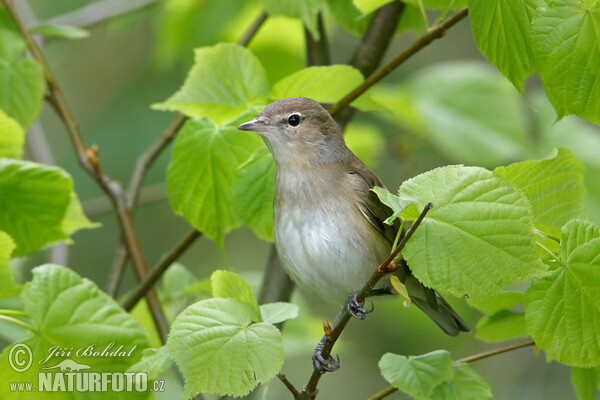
[328, 224]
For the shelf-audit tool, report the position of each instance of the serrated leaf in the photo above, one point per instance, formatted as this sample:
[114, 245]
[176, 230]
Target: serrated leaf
[554, 187]
[219, 350]
[306, 11]
[34, 199]
[201, 171]
[325, 84]
[154, 362]
[586, 382]
[478, 237]
[228, 285]
[9, 288]
[225, 80]
[12, 137]
[253, 192]
[485, 125]
[275, 313]
[75, 219]
[23, 87]
[61, 31]
[501, 301]
[562, 309]
[417, 375]
[502, 325]
[567, 56]
[502, 31]
[466, 384]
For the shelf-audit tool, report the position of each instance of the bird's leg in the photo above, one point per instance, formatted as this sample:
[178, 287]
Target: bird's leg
[321, 364]
[356, 308]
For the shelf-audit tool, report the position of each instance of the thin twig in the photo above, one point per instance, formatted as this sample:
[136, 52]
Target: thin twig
[310, 390]
[251, 32]
[163, 264]
[420, 43]
[288, 385]
[88, 159]
[475, 357]
[317, 50]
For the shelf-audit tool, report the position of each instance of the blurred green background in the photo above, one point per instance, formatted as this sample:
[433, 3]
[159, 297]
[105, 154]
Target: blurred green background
[139, 58]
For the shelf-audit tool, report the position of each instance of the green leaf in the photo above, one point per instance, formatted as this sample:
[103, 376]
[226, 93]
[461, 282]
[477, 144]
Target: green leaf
[417, 375]
[306, 11]
[275, 313]
[325, 84]
[437, 4]
[503, 325]
[23, 89]
[502, 31]
[154, 362]
[485, 125]
[225, 80]
[227, 285]
[75, 219]
[368, 6]
[34, 199]
[219, 350]
[501, 301]
[554, 187]
[404, 209]
[12, 137]
[478, 237]
[9, 288]
[567, 56]
[201, 171]
[466, 384]
[61, 31]
[585, 381]
[253, 191]
[348, 16]
[562, 309]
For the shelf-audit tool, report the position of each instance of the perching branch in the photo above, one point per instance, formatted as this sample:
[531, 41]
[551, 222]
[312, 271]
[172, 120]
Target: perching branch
[476, 357]
[88, 159]
[310, 390]
[434, 33]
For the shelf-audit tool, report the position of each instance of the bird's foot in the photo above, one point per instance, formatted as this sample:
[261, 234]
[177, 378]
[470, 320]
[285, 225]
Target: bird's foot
[322, 364]
[357, 308]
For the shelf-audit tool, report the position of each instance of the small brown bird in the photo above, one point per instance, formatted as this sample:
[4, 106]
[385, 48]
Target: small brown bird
[328, 224]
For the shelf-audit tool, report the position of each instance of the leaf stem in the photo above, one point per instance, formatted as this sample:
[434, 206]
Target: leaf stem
[16, 313]
[17, 322]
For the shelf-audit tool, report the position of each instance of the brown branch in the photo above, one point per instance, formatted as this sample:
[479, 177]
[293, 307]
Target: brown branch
[475, 357]
[310, 390]
[434, 33]
[163, 264]
[288, 385]
[88, 159]
[249, 35]
[317, 51]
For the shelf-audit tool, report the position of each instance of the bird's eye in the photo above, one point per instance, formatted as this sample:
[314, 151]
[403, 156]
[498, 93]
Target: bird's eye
[294, 119]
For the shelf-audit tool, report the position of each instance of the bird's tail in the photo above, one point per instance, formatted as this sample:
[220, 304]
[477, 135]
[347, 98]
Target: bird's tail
[434, 305]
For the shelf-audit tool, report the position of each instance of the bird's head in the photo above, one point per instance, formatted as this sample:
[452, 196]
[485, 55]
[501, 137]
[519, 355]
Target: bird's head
[297, 131]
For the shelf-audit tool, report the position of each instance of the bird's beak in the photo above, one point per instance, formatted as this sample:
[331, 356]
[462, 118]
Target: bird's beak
[256, 125]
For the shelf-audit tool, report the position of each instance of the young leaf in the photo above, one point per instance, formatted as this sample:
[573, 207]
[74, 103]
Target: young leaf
[567, 56]
[219, 350]
[404, 209]
[253, 191]
[9, 288]
[466, 384]
[275, 313]
[12, 137]
[75, 219]
[225, 80]
[554, 187]
[61, 31]
[501, 301]
[23, 87]
[227, 285]
[201, 172]
[154, 362]
[417, 375]
[502, 31]
[562, 309]
[478, 237]
[586, 382]
[306, 11]
[35, 201]
[503, 325]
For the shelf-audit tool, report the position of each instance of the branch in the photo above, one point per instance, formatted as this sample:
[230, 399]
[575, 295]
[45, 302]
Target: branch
[249, 35]
[310, 390]
[476, 357]
[317, 51]
[434, 33]
[288, 385]
[88, 159]
[165, 262]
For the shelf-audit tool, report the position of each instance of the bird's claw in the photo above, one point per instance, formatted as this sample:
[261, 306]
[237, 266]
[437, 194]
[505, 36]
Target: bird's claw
[356, 308]
[321, 364]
